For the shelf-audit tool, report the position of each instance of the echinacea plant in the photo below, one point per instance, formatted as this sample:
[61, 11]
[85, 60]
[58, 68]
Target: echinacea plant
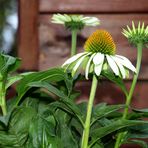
[43, 113]
[137, 36]
[74, 23]
[100, 54]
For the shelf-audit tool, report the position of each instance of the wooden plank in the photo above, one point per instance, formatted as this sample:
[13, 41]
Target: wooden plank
[28, 34]
[93, 6]
[55, 40]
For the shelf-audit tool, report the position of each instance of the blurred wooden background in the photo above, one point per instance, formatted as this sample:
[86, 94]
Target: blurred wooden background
[43, 45]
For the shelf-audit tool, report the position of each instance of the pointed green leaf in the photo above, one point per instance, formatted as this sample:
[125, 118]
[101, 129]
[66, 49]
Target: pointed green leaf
[114, 126]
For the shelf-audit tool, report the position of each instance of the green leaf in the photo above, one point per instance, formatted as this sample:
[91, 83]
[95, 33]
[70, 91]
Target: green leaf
[139, 142]
[49, 87]
[8, 63]
[140, 131]
[76, 129]
[114, 126]
[16, 134]
[5, 119]
[21, 119]
[52, 75]
[98, 145]
[69, 107]
[12, 79]
[144, 110]
[8, 140]
[63, 131]
[74, 95]
[138, 114]
[83, 109]
[116, 80]
[67, 138]
[41, 131]
[103, 110]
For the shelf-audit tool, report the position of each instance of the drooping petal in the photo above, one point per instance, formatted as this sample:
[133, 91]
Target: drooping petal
[74, 58]
[93, 21]
[121, 68]
[98, 58]
[78, 64]
[57, 22]
[98, 69]
[88, 66]
[113, 65]
[125, 62]
[58, 18]
[68, 18]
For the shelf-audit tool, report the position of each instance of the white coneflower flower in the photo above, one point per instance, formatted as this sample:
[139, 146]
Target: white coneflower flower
[75, 21]
[137, 34]
[99, 54]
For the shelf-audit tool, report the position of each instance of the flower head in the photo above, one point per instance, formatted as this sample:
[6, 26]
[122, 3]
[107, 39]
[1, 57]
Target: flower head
[99, 55]
[100, 41]
[136, 35]
[75, 21]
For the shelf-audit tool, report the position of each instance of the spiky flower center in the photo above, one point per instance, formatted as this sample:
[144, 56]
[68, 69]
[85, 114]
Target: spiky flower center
[137, 34]
[100, 41]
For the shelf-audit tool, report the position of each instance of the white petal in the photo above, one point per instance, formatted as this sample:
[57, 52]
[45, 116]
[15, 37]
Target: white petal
[78, 64]
[93, 21]
[98, 69]
[125, 62]
[98, 58]
[57, 22]
[134, 29]
[121, 68]
[68, 18]
[129, 29]
[88, 66]
[62, 17]
[113, 65]
[126, 32]
[142, 28]
[146, 30]
[58, 18]
[74, 58]
[75, 18]
[139, 28]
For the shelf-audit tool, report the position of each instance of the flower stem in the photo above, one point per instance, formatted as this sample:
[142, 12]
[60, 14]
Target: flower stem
[85, 137]
[2, 98]
[129, 97]
[73, 42]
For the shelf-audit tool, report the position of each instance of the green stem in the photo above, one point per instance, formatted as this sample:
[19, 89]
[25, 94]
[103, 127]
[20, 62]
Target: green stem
[2, 98]
[4, 110]
[129, 97]
[85, 137]
[73, 41]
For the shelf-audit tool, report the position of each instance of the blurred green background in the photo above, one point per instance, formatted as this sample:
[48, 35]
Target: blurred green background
[8, 26]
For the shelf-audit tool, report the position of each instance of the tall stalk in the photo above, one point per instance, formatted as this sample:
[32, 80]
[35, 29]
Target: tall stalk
[2, 98]
[73, 41]
[86, 130]
[129, 97]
